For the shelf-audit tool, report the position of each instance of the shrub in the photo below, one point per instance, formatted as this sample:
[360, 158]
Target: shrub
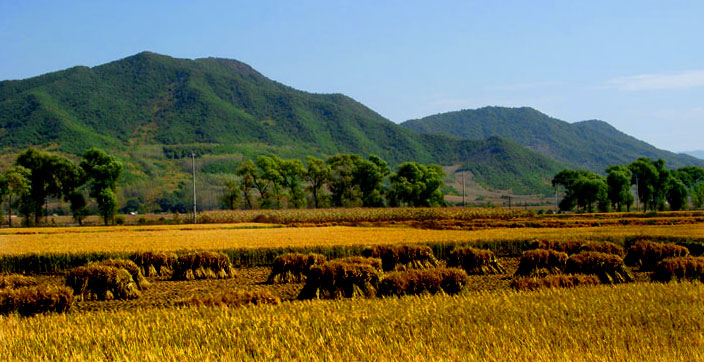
[609, 268]
[13, 281]
[131, 267]
[541, 262]
[568, 247]
[293, 267]
[102, 282]
[233, 299]
[686, 267]
[475, 261]
[554, 281]
[343, 278]
[412, 282]
[401, 257]
[603, 247]
[203, 265]
[647, 254]
[34, 300]
[155, 264]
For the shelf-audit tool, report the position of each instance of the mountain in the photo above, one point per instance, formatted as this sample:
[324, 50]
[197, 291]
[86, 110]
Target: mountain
[698, 154]
[593, 144]
[151, 98]
[152, 110]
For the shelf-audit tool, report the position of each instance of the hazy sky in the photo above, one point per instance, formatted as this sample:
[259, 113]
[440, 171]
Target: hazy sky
[638, 65]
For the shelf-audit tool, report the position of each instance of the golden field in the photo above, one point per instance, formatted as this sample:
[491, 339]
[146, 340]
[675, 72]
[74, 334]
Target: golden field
[641, 321]
[228, 236]
[634, 322]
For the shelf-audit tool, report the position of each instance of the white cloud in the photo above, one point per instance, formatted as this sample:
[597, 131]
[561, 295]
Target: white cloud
[661, 81]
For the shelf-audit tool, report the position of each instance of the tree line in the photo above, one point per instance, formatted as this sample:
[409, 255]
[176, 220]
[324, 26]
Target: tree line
[38, 175]
[267, 182]
[656, 187]
[343, 180]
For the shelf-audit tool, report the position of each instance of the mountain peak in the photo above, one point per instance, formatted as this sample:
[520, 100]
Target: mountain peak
[596, 124]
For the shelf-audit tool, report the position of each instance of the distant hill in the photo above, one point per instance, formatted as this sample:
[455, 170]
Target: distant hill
[152, 110]
[592, 144]
[698, 154]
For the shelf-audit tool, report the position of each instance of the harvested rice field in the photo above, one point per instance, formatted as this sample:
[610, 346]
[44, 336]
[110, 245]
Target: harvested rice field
[641, 322]
[613, 291]
[225, 236]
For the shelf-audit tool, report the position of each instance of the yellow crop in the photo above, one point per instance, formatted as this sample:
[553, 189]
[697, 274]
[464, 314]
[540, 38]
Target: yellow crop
[223, 236]
[635, 322]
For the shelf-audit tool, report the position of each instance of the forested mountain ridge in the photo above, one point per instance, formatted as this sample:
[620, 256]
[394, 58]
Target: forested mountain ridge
[150, 110]
[593, 144]
[151, 98]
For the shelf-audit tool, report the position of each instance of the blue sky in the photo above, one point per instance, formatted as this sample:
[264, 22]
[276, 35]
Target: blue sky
[638, 65]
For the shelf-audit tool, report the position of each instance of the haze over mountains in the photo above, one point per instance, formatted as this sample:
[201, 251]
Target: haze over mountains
[151, 109]
[698, 154]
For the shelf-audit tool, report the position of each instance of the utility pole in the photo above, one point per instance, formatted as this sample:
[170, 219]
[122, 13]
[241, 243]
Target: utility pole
[637, 192]
[193, 158]
[557, 188]
[509, 202]
[464, 204]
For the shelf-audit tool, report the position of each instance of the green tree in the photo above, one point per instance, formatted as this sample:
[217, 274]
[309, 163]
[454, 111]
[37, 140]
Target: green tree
[78, 207]
[49, 175]
[249, 181]
[645, 177]
[230, 195]
[590, 190]
[345, 191]
[676, 194]
[618, 180]
[662, 183]
[698, 195]
[102, 172]
[415, 184]
[18, 184]
[690, 175]
[107, 204]
[317, 174]
[566, 179]
[270, 172]
[292, 171]
[582, 189]
[368, 176]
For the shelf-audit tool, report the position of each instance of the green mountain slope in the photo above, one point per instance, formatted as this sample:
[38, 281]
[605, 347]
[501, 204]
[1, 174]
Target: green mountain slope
[593, 144]
[151, 110]
[151, 98]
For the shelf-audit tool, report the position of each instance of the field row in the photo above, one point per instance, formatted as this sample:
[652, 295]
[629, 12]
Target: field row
[589, 323]
[226, 236]
[354, 216]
